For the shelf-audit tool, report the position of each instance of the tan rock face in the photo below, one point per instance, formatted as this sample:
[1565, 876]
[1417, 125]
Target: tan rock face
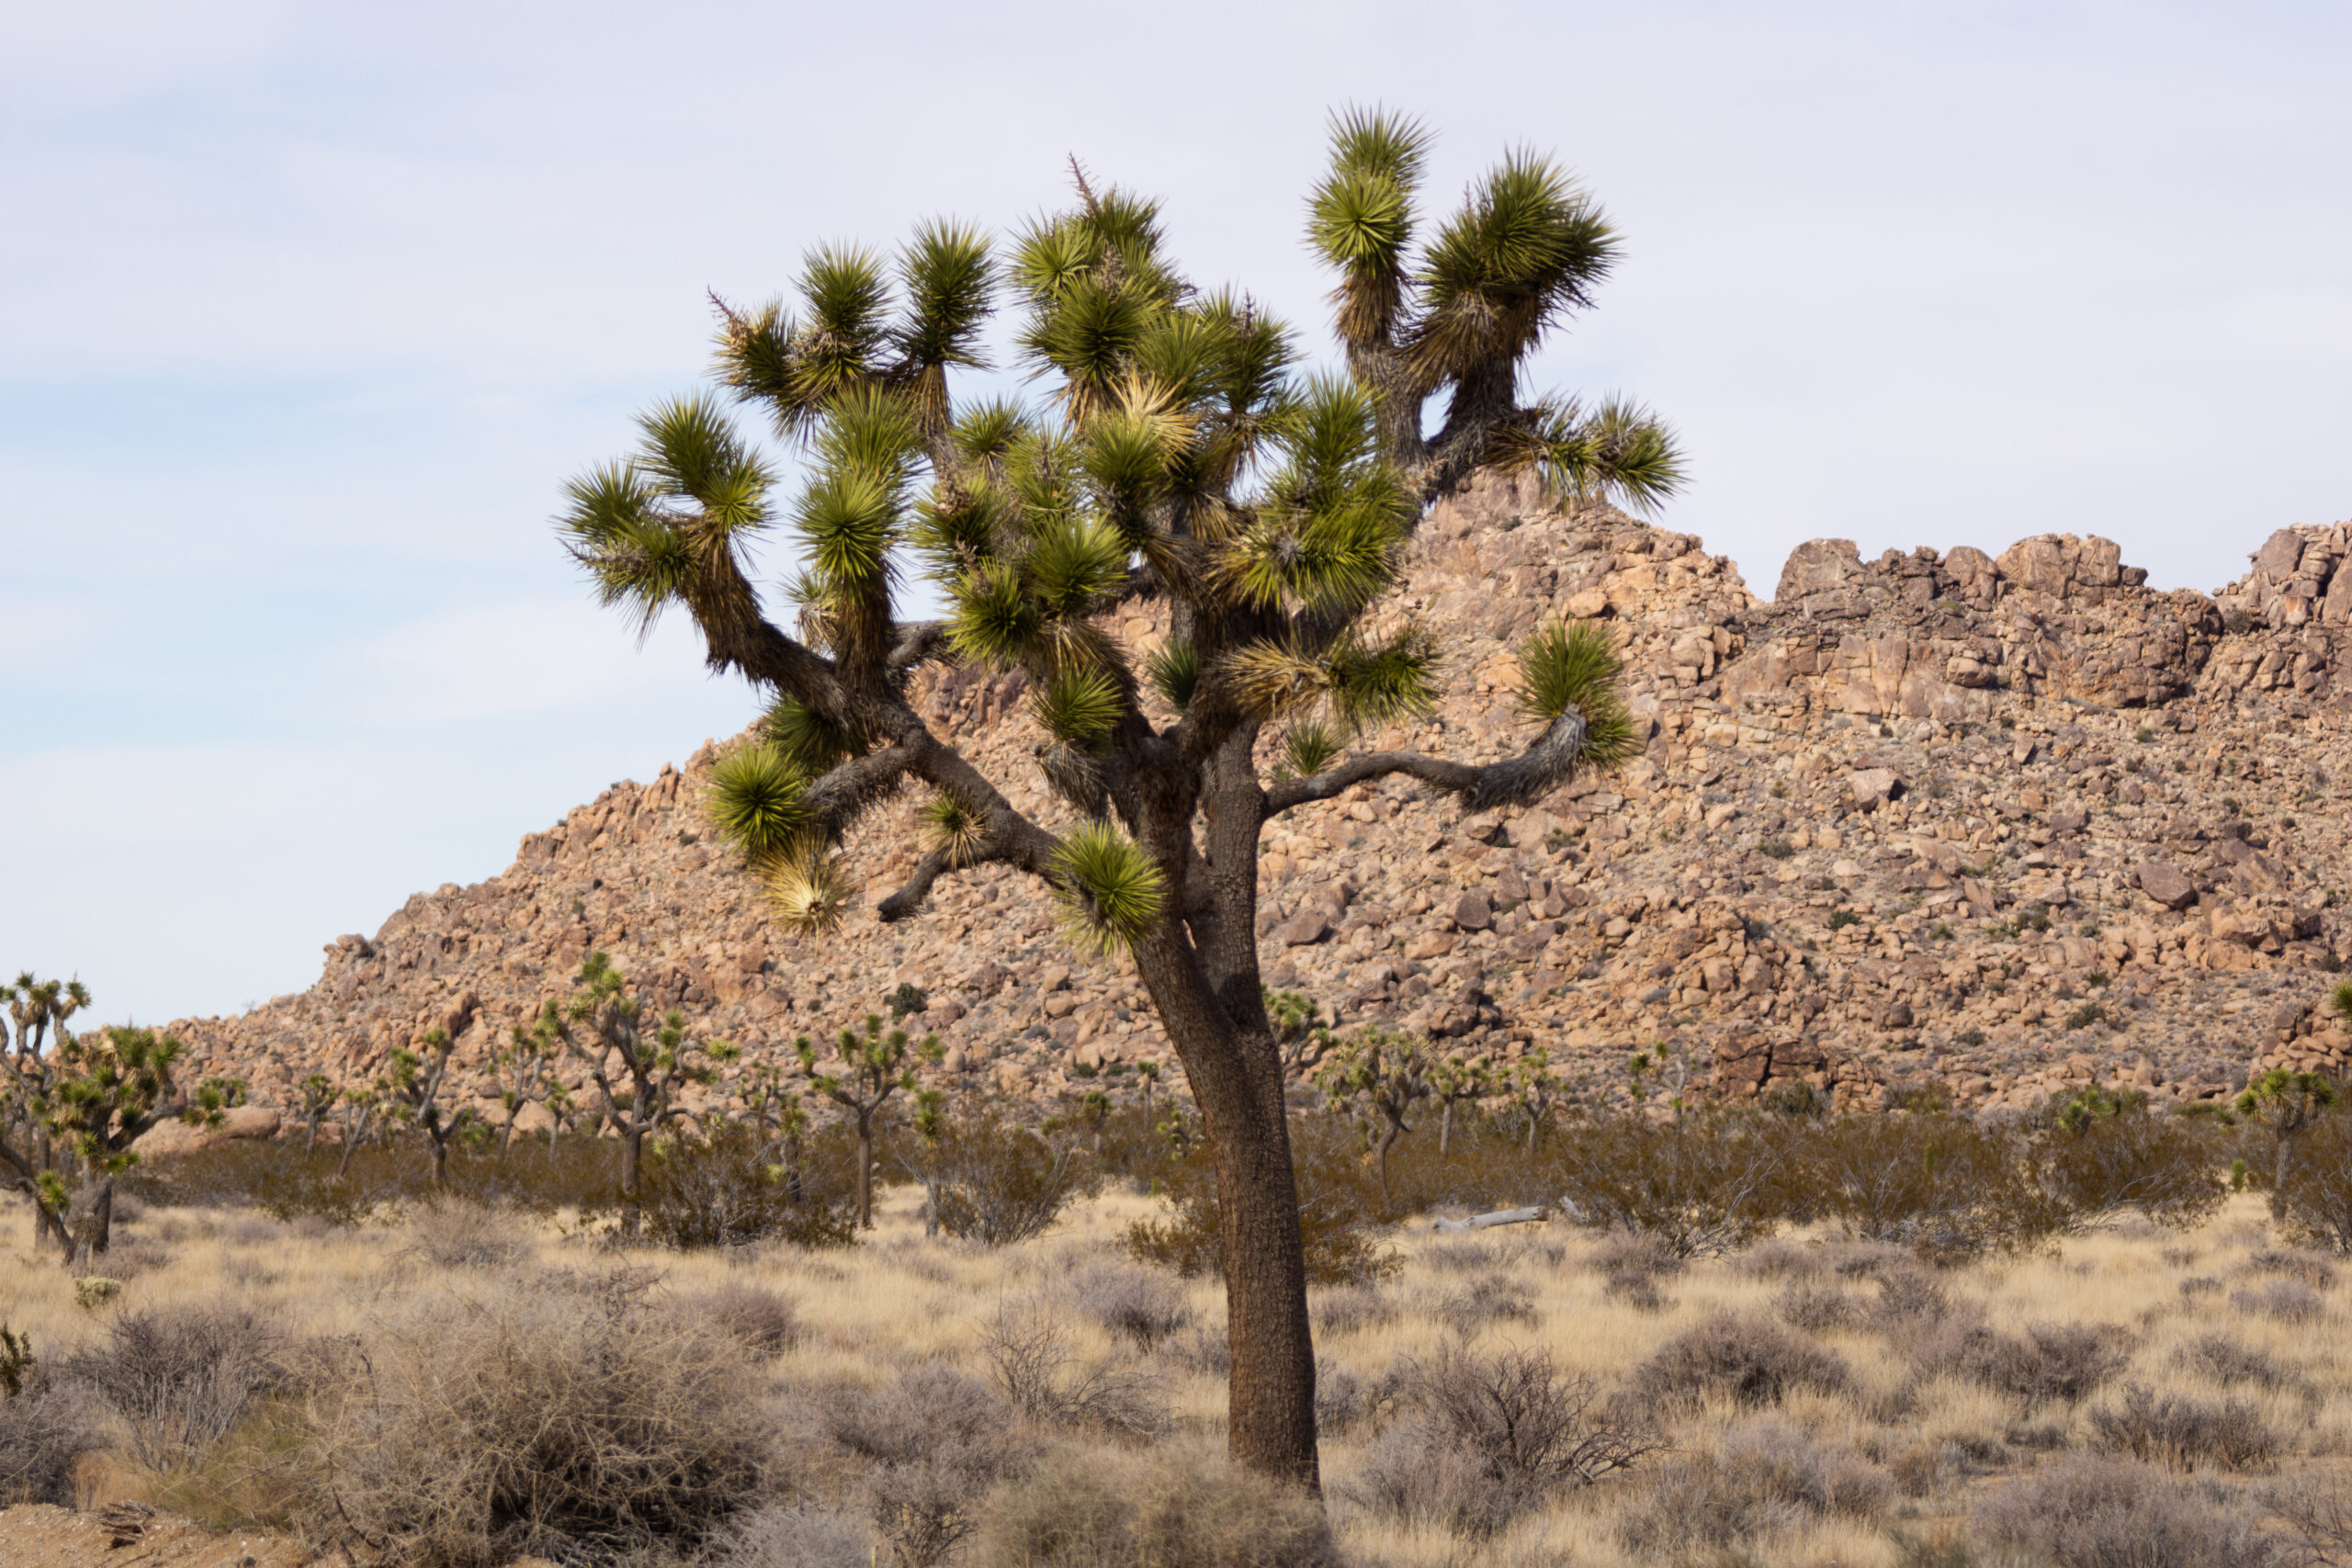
[2000, 777]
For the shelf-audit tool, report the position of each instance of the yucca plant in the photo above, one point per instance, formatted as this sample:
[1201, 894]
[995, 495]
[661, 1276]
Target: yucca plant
[1179, 455]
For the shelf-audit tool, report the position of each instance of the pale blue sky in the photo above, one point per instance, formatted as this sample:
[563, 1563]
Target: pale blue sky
[306, 311]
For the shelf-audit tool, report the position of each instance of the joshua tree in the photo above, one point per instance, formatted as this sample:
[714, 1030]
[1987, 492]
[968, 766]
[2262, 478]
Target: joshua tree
[524, 1070]
[602, 1025]
[110, 1088]
[876, 1069]
[1181, 459]
[319, 1096]
[1302, 1036]
[416, 1082]
[1453, 1079]
[1389, 1074]
[2286, 1103]
[1534, 1091]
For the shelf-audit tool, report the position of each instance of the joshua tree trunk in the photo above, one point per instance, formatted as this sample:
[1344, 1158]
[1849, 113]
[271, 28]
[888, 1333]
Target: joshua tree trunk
[97, 1224]
[864, 1168]
[1235, 1077]
[632, 1196]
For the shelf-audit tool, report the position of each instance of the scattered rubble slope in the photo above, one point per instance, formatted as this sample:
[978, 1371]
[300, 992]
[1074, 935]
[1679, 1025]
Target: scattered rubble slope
[1994, 824]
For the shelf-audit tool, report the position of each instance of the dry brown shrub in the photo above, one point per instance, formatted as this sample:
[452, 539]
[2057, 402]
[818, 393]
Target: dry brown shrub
[935, 1439]
[1945, 1186]
[2313, 1204]
[2303, 1267]
[1702, 1186]
[1632, 1263]
[1000, 1182]
[2229, 1363]
[1763, 1479]
[45, 1428]
[759, 1319]
[454, 1234]
[1177, 1506]
[1481, 1303]
[567, 1418]
[1140, 1307]
[1746, 1359]
[2063, 1361]
[1489, 1437]
[181, 1377]
[729, 1189]
[2184, 1433]
[1351, 1309]
[2107, 1513]
[2287, 1301]
[2167, 1169]
[796, 1537]
[1037, 1369]
[1814, 1308]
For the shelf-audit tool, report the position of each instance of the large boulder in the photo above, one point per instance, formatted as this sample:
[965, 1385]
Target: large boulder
[176, 1137]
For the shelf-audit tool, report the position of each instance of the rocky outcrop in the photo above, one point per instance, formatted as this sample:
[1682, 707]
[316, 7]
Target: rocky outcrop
[1992, 823]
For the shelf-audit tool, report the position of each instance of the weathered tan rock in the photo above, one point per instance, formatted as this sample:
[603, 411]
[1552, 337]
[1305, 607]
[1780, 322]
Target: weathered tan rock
[2167, 885]
[166, 1139]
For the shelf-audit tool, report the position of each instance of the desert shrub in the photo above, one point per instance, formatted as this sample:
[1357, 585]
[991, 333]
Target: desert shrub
[937, 1439]
[1814, 1308]
[1140, 1307]
[731, 1189]
[796, 1537]
[999, 1182]
[1349, 1309]
[180, 1377]
[2313, 1201]
[2182, 1432]
[1909, 1294]
[1744, 1359]
[2288, 1301]
[2229, 1363]
[1947, 1187]
[44, 1429]
[1763, 1478]
[455, 1233]
[2108, 1513]
[1485, 1300]
[1035, 1367]
[2305, 1267]
[755, 1316]
[1702, 1186]
[282, 1179]
[1345, 1398]
[1343, 1218]
[2063, 1361]
[575, 1419]
[1488, 1437]
[1632, 1263]
[1176, 1507]
[2318, 1511]
[2167, 1169]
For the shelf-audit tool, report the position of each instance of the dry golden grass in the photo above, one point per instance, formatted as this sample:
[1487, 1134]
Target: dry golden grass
[898, 1299]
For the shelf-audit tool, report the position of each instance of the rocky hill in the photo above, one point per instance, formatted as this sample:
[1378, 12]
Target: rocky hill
[1995, 823]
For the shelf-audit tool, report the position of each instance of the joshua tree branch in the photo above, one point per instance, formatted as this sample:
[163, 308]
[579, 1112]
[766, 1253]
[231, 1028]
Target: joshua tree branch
[1542, 766]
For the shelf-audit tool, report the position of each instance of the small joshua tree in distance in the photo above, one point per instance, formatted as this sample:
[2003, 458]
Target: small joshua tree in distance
[877, 1069]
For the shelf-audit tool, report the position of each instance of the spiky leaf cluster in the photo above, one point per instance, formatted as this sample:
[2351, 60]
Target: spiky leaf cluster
[1578, 670]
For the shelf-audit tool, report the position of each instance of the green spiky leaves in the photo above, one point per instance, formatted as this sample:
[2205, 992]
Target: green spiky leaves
[952, 828]
[1077, 707]
[1577, 669]
[652, 528]
[1328, 536]
[1310, 746]
[1111, 892]
[1361, 217]
[1528, 248]
[759, 800]
[1174, 670]
[1618, 452]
